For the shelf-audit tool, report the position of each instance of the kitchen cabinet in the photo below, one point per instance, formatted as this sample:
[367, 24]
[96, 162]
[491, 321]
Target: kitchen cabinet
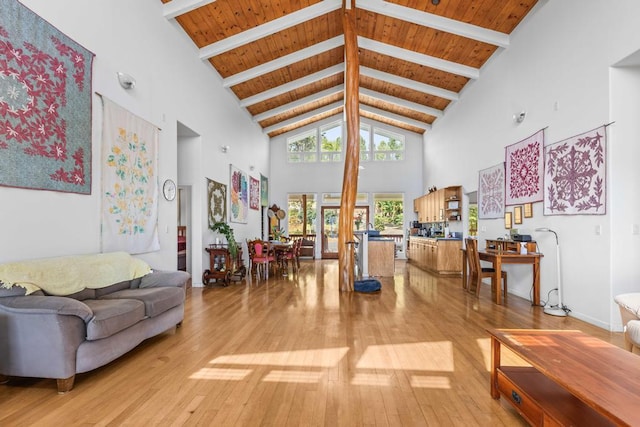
[441, 256]
[440, 205]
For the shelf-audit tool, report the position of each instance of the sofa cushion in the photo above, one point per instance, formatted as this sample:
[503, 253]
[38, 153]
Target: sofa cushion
[112, 316]
[156, 300]
[162, 278]
[83, 295]
[113, 288]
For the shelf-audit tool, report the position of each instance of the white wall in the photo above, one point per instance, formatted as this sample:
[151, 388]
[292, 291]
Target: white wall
[172, 85]
[376, 177]
[562, 53]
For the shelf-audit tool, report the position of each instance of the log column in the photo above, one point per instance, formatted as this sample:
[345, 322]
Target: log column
[346, 259]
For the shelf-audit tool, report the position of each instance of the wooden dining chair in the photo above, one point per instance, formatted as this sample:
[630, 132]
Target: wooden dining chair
[477, 272]
[261, 256]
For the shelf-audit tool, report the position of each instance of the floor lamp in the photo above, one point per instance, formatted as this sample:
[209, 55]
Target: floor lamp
[558, 310]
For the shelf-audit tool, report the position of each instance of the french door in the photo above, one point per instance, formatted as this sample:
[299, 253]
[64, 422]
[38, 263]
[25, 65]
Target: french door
[329, 232]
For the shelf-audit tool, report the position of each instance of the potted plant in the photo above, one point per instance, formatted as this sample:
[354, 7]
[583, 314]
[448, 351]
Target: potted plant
[224, 229]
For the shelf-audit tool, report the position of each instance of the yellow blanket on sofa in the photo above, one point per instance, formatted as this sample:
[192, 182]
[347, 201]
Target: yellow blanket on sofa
[70, 274]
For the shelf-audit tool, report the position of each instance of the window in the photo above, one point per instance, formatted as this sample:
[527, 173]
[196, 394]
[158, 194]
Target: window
[331, 142]
[365, 143]
[303, 148]
[302, 214]
[387, 146]
[388, 213]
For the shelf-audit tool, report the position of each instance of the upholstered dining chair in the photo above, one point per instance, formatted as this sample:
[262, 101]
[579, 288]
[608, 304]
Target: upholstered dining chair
[261, 257]
[477, 272]
[292, 255]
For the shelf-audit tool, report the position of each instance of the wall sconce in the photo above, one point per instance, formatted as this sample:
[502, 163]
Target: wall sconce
[224, 148]
[126, 81]
[519, 118]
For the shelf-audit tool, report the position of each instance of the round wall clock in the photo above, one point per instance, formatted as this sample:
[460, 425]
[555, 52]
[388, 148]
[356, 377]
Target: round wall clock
[169, 190]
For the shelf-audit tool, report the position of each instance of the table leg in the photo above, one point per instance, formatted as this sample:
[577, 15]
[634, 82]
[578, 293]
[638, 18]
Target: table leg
[536, 281]
[495, 364]
[465, 266]
[497, 266]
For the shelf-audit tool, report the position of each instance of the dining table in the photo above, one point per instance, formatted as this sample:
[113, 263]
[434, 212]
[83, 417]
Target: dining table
[280, 250]
[498, 257]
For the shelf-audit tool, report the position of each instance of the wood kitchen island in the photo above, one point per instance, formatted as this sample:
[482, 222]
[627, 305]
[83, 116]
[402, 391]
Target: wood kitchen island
[381, 257]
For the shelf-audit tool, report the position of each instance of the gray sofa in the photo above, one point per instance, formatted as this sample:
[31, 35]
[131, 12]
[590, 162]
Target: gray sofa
[45, 335]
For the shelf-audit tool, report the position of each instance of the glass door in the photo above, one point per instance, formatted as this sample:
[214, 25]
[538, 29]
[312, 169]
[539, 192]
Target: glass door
[329, 230]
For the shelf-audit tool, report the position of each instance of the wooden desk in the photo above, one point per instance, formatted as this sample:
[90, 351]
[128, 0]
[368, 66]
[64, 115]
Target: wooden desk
[498, 257]
[509, 245]
[574, 378]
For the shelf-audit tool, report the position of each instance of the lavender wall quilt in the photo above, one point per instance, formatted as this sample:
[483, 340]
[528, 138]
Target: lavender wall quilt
[491, 192]
[575, 177]
[45, 105]
[524, 170]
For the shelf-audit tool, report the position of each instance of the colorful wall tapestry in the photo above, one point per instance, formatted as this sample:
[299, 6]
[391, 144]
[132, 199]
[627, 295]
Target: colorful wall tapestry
[524, 170]
[45, 105]
[239, 195]
[217, 196]
[491, 192]
[264, 191]
[575, 176]
[129, 182]
[254, 191]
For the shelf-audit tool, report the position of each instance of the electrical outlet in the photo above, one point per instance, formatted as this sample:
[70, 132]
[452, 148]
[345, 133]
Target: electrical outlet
[598, 230]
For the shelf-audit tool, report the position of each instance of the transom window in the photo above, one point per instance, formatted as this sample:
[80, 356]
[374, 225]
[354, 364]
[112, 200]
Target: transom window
[325, 144]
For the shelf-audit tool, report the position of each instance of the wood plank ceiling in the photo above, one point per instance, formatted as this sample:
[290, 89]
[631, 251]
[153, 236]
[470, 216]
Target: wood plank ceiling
[284, 59]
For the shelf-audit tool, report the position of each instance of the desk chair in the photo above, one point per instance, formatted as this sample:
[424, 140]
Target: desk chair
[477, 272]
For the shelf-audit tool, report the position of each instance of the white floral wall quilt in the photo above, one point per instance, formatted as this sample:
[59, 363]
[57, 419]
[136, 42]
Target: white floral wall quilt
[524, 170]
[491, 192]
[575, 175]
[129, 182]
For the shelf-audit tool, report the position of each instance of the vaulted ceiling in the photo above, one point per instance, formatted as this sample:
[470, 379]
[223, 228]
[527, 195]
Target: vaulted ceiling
[284, 59]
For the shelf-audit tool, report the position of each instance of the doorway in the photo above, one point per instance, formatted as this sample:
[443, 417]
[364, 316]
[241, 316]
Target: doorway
[330, 230]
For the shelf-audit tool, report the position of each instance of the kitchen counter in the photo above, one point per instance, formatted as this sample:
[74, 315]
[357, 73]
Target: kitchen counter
[435, 238]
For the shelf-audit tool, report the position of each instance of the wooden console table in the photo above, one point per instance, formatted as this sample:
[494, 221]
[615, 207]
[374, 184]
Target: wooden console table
[574, 378]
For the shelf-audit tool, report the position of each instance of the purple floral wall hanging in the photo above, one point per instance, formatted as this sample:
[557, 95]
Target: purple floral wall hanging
[575, 177]
[525, 170]
[491, 192]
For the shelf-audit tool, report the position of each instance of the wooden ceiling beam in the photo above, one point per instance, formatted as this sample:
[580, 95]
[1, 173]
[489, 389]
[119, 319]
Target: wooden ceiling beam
[179, 7]
[426, 19]
[283, 61]
[408, 83]
[295, 84]
[396, 117]
[271, 27]
[302, 117]
[402, 103]
[298, 103]
[419, 58]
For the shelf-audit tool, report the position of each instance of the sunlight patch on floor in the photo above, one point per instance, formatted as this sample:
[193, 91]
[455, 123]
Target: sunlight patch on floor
[375, 380]
[507, 357]
[221, 374]
[322, 357]
[306, 377]
[422, 356]
[423, 381]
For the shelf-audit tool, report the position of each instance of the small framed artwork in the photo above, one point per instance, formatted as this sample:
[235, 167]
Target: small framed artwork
[507, 220]
[528, 210]
[517, 215]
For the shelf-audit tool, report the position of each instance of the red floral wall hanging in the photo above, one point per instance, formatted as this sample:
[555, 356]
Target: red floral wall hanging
[45, 105]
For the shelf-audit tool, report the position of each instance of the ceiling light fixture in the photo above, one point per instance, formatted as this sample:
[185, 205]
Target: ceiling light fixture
[224, 148]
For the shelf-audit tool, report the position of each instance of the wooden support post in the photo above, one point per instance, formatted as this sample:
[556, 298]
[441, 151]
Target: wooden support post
[346, 259]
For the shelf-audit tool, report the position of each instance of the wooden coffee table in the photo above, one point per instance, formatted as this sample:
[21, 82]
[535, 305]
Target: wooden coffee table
[573, 378]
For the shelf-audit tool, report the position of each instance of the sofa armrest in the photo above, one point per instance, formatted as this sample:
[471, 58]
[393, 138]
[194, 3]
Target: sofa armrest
[159, 278]
[40, 335]
[47, 305]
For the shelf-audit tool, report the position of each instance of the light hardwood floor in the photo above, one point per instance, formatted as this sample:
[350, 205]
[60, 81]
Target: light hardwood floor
[294, 351]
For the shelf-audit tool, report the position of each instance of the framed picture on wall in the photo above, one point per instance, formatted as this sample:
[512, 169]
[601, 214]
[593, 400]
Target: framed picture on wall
[517, 215]
[528, 210]
[507, 220]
